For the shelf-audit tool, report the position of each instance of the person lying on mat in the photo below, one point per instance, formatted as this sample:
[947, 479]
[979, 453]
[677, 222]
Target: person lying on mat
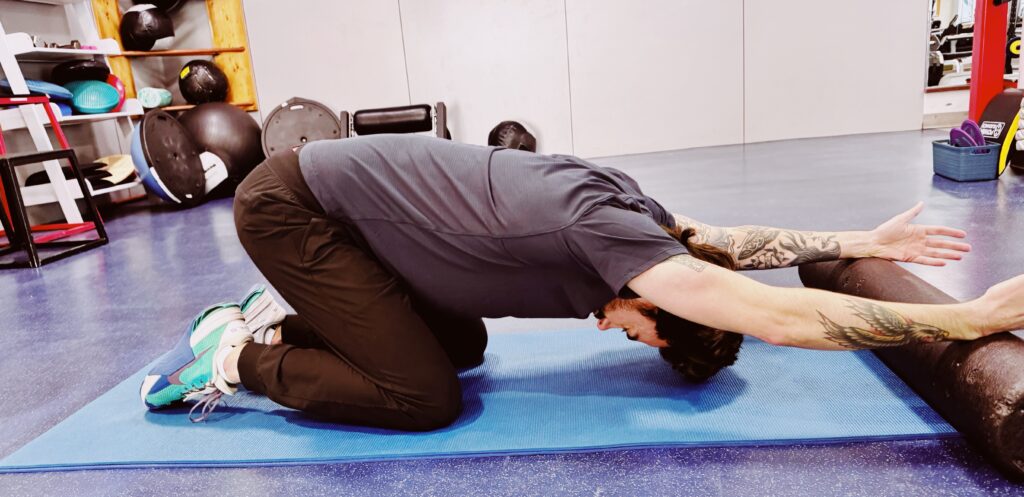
[391, 248]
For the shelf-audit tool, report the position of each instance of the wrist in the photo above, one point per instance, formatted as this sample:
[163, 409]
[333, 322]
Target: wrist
[976, 319]
[858, 244]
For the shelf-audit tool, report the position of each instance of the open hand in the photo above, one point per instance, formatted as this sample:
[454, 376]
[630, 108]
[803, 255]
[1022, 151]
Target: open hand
[899, 240]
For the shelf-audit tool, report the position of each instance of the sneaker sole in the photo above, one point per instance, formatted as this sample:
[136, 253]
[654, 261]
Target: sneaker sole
[263, 311]
[212, 322]
[234, 333]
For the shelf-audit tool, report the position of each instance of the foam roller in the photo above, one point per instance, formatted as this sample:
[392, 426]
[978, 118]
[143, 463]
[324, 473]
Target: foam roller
[978, 386]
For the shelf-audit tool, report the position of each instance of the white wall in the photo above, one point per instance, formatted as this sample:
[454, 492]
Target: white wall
[345, 53]
[491, 61]
[815, 68]
[602, 77]
[655, 75]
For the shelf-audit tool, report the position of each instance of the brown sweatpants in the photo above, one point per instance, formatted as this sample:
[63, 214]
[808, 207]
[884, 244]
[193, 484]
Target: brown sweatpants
[360, 349]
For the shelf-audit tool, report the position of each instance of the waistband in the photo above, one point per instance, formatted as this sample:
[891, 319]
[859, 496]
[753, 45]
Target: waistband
[285, 165]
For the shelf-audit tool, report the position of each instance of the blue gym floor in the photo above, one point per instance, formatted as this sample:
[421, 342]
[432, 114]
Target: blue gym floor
[75, 328]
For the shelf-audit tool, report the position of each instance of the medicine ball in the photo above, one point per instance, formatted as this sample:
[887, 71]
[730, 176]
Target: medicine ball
[510, 134]
[229, 133]
[201, 81]
[142, 25]
[79, 70]
[164, 5]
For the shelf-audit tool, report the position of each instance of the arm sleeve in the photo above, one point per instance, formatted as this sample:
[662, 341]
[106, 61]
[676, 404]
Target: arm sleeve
[619, 244]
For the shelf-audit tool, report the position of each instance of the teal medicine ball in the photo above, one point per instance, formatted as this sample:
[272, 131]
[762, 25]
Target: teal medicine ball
[93, 97]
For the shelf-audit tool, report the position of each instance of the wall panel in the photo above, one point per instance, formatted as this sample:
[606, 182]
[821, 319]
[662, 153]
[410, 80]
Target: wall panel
[655, 74]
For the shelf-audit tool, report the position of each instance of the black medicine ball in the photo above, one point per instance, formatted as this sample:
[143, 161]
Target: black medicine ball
[164, 5]
[201, 81]
[142, 25]
[79, 70]
[510, 134]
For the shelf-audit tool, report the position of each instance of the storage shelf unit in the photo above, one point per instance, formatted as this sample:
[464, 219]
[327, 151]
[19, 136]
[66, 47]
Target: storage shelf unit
[20, 44]
[17, 48]
[43, 194]
[131, 108]
[11, 119]
[181, 52]
[229, 51]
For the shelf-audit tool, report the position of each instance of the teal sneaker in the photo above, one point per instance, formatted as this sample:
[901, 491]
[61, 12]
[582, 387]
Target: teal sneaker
[262, 313]
[189, 372]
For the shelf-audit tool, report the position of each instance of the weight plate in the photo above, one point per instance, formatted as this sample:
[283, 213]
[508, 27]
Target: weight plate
[298, 121]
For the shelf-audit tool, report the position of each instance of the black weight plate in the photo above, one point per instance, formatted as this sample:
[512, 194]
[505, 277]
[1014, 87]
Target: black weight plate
[170, 150]
[298, 121]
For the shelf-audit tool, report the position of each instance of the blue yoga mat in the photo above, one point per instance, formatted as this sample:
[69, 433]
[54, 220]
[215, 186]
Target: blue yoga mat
[536, 393]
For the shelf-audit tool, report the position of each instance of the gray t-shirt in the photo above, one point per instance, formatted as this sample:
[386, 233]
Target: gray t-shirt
[491, 232]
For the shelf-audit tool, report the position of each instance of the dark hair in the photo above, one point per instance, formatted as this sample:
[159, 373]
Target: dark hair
[695, 350]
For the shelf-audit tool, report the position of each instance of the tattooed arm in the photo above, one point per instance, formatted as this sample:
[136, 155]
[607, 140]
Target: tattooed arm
[759, 247]
[807, 318]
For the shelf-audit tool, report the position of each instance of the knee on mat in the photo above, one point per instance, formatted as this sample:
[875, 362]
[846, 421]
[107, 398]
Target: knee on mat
[437, 408]
[469, 354]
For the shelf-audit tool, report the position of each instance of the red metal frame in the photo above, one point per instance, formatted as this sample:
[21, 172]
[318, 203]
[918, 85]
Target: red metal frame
[989, 53]
[45, 101]
[58, 231]
[54, 232]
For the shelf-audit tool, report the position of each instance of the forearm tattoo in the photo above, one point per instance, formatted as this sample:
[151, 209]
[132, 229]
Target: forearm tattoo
[811, 248]
[885, 328]
[688, 261]
[716, 237]
[758, 247]
[769, 248]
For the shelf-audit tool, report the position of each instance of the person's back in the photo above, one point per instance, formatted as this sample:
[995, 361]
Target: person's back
[485, 231]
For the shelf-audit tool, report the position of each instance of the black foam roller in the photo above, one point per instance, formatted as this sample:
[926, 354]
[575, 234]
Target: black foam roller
[978, 386]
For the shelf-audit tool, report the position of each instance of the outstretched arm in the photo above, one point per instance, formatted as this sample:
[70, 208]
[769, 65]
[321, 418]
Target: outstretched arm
[815, 319]
[761, 247]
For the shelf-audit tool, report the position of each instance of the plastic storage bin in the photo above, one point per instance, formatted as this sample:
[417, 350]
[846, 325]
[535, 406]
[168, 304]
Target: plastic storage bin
[965, 163]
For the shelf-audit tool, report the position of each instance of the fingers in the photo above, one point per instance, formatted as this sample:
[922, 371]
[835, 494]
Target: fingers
[929, 261]
[947, 244]
[913, 211]
[945, 231]
[943, 254]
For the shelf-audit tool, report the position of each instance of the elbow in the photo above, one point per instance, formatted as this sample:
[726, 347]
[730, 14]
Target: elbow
[779, 330]
[777, 338]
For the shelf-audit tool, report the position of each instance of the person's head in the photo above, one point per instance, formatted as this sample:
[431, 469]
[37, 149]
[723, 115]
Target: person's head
[694, 350]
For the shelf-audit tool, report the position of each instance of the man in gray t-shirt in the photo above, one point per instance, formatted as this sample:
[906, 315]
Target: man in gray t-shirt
[392, 248]
[451, 221]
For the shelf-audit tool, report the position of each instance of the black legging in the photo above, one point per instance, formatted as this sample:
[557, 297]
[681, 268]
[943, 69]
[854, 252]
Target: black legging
[360, 349]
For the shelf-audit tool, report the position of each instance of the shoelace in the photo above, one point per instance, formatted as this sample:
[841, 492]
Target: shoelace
[207, 403]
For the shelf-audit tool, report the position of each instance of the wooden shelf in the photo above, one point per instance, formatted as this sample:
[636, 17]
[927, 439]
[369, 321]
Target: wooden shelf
[182, 52]
[172, 108]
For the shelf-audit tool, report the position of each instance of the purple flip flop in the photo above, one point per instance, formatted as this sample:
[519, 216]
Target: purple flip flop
[974, 131]
[960, 138]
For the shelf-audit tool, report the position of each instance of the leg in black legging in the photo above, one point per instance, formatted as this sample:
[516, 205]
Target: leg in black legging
[380, 364]
[463, 339]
